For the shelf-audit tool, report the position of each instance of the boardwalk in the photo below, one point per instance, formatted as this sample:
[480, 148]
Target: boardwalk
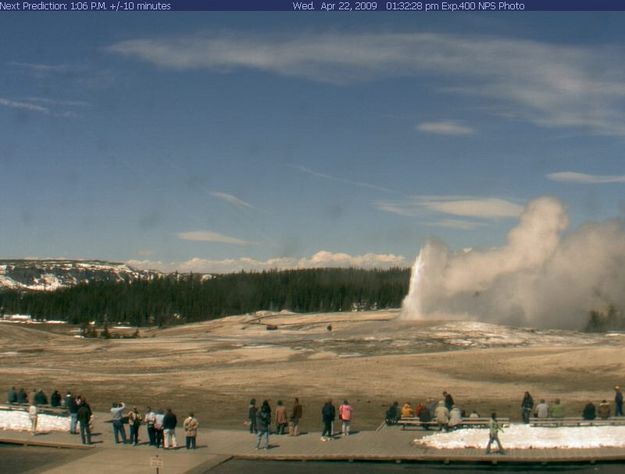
[217, 446]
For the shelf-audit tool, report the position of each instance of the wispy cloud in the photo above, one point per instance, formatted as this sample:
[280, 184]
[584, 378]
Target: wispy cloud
[361, 184]
[321, 259]
[56, 108]
[582, 178]
[231, 199]
[445, 127]
[210, 236]
[29, 106]
[39, 68]
[461, 206]
[551, 85]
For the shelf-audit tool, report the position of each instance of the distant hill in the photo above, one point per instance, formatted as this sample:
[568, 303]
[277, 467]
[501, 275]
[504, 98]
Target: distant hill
[48, 275]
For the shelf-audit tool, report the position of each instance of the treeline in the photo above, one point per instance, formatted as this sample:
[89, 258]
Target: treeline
[612, 319]
[174, 299]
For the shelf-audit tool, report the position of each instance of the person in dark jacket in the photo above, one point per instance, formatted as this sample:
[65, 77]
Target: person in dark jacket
[266, 409]
[22, 396]
[251, 415]
[71, 404]
[55, 399]
[328, 414]
[449, 401]
[263, 421]
[590, 412]
[12, 395]
[40, 398]
[169, 430]
[527, 405]
[392, 414]
[425, 416]
[84, 416]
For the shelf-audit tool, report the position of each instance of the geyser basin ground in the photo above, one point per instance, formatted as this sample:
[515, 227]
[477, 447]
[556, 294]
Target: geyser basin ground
[370, 358]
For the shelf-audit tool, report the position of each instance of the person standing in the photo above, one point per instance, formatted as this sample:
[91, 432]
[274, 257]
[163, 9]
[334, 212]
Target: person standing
[281, 420]
[33, 414]
[296, 415]
[169, 430]
[251, 415]
[527, 405]
[190, 425]
[449, 401]
[118, 425]
[493, 434]
[72, 406]
[618, 401]
[158, 428]
[84, 417]
[134, 422]
[150, 419]
[345, 415]
[328, 414]
[263, 420]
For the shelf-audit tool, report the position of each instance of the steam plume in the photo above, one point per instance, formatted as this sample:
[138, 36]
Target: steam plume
[538, 278]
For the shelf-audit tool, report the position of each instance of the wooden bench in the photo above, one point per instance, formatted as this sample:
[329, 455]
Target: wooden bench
[466, 423]
[577, 421]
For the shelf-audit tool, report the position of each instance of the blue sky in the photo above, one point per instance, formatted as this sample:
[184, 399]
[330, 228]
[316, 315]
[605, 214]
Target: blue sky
[220, 141]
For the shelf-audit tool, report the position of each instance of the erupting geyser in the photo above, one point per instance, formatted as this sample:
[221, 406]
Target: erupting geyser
[539, 278]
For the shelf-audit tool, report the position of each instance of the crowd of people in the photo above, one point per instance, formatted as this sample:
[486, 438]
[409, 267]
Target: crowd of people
[555, 409]
[161, 424]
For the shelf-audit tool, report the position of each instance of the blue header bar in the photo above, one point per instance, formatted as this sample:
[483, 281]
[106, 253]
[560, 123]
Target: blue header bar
[311, 6]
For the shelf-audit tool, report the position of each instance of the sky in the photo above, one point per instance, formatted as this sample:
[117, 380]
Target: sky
[214, 142]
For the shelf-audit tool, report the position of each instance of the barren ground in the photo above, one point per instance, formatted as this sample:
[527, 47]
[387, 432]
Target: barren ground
[370, 358]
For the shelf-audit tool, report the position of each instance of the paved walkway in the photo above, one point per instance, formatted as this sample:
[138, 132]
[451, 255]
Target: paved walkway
[217, 446]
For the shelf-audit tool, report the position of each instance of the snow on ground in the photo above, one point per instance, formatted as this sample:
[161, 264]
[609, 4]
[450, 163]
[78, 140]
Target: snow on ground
[527, 437]
[17, 420]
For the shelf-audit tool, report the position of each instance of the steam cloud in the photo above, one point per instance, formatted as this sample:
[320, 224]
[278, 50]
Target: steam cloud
[539, 278]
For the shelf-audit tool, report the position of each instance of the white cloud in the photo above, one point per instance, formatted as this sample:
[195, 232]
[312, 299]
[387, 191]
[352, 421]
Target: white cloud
[446, 127]
[551, 85]
[321, 259]
[462, 206]
[210, 236]
[582, 178]
[39, 68]
[230, 199]
[29, 106]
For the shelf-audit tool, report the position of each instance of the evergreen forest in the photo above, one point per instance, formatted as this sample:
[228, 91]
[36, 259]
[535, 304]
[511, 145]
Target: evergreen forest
[176, 298]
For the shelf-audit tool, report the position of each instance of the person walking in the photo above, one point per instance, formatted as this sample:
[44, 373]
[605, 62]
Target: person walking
[296, 415]
[190, 425]
[118, 425]
[328, 414]
[84, 417]
[527, 405]
[493, 434]
[345, 415]
[169, 430]
[33, 415]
